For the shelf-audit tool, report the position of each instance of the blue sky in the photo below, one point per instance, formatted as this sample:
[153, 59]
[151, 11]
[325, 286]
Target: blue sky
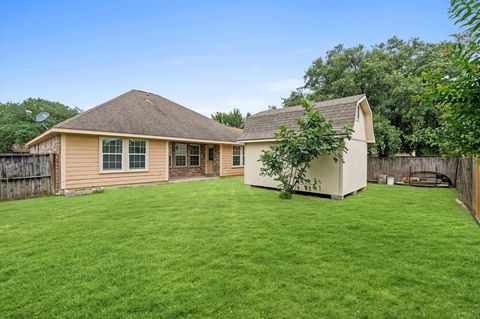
[207, 55]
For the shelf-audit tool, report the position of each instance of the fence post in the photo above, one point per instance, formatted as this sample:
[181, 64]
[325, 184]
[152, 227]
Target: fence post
[456, 173]
[477, 187]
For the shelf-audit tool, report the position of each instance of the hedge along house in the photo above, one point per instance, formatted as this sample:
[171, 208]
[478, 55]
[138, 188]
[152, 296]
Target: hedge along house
[337, 179]
[137, 138]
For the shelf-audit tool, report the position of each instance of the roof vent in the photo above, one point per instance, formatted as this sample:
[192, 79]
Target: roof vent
[148, 101]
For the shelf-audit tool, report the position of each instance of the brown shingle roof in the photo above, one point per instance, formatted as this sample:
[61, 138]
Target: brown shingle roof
[144, 113]
[264, 125]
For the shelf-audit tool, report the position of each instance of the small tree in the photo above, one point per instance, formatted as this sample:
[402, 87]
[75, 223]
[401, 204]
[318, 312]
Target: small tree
[289, 159]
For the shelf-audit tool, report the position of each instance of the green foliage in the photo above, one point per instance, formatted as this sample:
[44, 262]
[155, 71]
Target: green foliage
[459, 97]
[16, 127]
[387, 138]
[233, 118]
[466, 14]
[391, 74]
[295, 98]
[289, 159]
[460, 130]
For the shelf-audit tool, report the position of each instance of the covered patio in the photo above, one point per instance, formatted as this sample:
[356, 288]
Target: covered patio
[187, 160]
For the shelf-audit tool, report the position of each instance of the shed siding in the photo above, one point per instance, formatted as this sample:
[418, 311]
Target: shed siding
[252, 166]
[82, 164]
[354, 167]
[354, 175]
[323, 168]
[226, 167]
[360, 128]
[328, 173]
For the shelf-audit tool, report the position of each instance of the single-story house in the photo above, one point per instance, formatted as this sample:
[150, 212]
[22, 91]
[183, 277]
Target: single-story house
[337, 179]
[137, 138]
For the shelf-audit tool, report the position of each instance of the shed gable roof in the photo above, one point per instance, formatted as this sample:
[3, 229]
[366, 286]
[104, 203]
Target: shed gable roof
[264, 125]
[144, 113]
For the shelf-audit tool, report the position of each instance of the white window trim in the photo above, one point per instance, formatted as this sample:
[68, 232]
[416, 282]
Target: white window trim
[128, 156]
[242, 156]
[125, 158]
[100, 145]
[186, 155]
[190, 155]
[170, 155]
[357, 113]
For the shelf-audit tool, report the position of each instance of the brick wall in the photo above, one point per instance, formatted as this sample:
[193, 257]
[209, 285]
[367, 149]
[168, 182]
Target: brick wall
[188, 171]
[216, 159]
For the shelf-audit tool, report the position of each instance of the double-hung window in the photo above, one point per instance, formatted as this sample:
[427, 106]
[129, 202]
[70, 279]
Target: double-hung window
[180, 155]
[112, 154]
[137, 150]
[194, 155]
[170, 155]
[238, 156]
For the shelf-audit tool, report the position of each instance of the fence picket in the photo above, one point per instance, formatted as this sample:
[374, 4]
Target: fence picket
[25, 175]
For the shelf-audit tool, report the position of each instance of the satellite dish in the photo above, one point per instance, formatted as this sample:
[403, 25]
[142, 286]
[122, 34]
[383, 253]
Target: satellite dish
[42, 116]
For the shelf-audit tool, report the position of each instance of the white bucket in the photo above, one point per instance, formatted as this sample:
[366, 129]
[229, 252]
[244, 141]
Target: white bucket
[390, 180]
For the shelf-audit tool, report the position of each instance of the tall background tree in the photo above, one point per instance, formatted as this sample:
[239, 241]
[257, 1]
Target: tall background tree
[17, 127]
[391, 74]
[459, 97]
[233, 118]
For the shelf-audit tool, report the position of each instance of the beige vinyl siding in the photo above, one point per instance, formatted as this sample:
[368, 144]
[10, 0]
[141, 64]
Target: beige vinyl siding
[82, 164]
[226, 162]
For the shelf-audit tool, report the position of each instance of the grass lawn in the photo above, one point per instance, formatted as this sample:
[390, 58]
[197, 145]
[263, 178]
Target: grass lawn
[220, 249]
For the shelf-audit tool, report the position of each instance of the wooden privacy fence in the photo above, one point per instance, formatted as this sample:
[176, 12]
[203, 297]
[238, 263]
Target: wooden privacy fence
[400, 167]
[468, 183]
[463, 172]
[26, 175]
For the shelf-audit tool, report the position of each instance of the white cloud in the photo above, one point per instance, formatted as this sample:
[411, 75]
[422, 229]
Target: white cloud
[284, 85]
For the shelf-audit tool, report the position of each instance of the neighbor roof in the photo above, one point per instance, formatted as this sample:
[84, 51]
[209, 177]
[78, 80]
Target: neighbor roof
[264, 125]
[144, 113]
